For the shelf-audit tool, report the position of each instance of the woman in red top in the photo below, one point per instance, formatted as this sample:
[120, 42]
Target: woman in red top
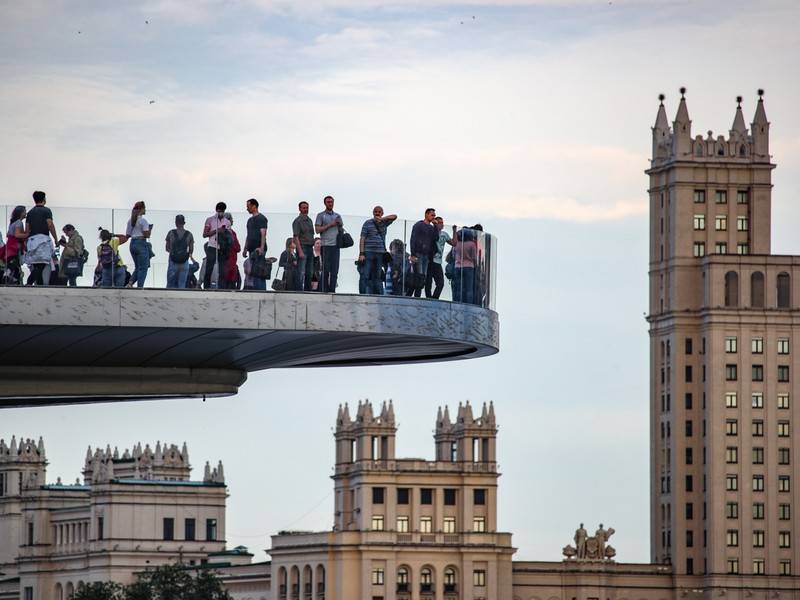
[231, 278]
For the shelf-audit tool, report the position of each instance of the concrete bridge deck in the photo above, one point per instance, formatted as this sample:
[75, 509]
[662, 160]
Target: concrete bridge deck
[72, 345]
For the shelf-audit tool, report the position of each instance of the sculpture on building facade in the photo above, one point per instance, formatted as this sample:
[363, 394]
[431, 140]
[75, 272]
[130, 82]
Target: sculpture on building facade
[591, 548]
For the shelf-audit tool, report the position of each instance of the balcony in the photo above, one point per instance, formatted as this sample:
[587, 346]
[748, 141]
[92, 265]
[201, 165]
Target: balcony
[198, 342]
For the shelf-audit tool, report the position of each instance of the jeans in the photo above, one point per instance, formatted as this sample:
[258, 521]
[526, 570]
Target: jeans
[435, 275]
[464, 285]
[259, 283]
[371, 281]
[420, 270]
[118, 274]
[140, 252]
[330, 269]
[305, 268]
[177, 274]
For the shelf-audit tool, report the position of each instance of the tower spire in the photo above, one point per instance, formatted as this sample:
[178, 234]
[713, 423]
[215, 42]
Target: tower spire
[738, 129]
[682, 129]
[760, 129]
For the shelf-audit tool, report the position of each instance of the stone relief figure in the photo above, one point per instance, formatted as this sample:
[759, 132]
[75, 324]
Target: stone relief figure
[591, 548]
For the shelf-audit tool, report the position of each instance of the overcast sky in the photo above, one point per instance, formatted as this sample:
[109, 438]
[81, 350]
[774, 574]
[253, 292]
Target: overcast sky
[532, 117]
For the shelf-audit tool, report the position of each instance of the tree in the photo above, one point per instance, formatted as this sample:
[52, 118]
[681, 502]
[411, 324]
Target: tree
[100, 590]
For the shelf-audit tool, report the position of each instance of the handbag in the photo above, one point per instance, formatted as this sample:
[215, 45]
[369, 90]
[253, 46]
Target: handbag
[343, 239]
[73, 267]
[278, 284]
[260, 268]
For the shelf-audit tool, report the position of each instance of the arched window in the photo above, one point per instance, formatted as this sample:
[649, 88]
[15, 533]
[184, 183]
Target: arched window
[70, 590]
[403, 580]
[426, 580]
[308, 585]
[320, 579]
[282, 580]
[731, 289]
[784, 290]
[59, 592]
[450, 580]
[757, 290]
[294, 576]
[742, 150]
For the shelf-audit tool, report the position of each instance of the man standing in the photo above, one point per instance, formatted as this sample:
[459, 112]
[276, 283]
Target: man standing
[180, 246]
[39, 254]
[215, 225]
[435, 273]
[371, 248]
[256, 242]
[303, 232]
[327, 225]
[423, 243]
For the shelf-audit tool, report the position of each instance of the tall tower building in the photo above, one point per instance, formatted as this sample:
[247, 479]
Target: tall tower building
[724, 379]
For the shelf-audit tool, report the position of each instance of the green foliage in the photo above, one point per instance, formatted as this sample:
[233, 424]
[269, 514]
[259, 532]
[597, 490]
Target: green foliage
[167, 582]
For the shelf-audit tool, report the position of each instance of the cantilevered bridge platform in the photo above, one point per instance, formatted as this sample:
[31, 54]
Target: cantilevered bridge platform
[74, 345]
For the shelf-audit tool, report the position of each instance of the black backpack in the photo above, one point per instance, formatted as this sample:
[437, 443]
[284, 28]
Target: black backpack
[179, 248]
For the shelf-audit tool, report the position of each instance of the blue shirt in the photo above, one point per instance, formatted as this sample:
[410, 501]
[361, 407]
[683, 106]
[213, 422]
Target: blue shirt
[374, 234]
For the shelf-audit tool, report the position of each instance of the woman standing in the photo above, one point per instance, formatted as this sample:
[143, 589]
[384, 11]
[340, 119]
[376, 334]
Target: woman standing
[231, 279]
[138, 231]
[15, 245]
[73, 250]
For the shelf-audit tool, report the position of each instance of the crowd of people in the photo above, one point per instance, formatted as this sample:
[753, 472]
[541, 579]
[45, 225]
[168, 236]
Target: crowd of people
[309, 261]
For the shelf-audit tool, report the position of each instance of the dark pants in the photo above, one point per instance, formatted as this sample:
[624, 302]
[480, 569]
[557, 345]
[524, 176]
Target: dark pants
[420, 270]
[37, 274]
[330, 269]
[305, 268]
[435, 275]
[211, 259]
[371, 282]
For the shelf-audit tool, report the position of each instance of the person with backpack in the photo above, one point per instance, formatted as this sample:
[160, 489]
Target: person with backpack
[217, 230]
[109, 261]
[179, 246]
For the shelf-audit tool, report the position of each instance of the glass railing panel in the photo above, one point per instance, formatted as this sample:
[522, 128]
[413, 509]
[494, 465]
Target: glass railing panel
[467, 266]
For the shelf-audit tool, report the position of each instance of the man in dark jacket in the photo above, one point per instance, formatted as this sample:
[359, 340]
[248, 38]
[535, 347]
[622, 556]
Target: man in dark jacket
[422, 246]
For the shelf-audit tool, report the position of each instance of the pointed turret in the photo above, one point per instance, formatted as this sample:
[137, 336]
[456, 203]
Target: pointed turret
[760, 130]
[116, 453]
[738, 129]
[40, 447]
[468, 418]
[390, 417]
[346, 415]
[661, 132]
[491, 413]
[185, 453]
[484, 414]
[447, 421]
[159, 457]
[682, 129]
[12, 451]
[439, 419]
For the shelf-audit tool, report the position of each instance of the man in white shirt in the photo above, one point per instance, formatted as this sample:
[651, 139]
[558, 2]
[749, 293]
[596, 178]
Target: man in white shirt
[214, 230]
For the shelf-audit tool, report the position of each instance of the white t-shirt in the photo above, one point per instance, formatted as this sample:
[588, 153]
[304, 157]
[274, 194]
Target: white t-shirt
[137, 231]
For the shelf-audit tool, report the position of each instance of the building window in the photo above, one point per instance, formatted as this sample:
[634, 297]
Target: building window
[783, 456]
[732, 537]
[758, 372]
[378, 494]
[479, 578]
[377, 576]
[758, 566]
[188, 530]
[689, 511]
[758, 538]
[784, 567]
[721, 223]
[731, 289]
[758, 511]
[758, 483]
[721, 197]
[479, 524]
[689, 538]
[169, 528]
[731, 483]
[449, 525]
[742, 248]
[689, 483]
[425, 524]
[30, 534]
[731, 427]
[784, 539]
[783, 345]
[758, 456]
[28, 593]
[757, 428]
[402, 495]
[731, 455]
[784, 512]
[100, 532]
[783, 373]
[699, 196]
[426, 496]
[784, 290]
[742, 197]
[757, 345]
[449, 497]
[688, 373]
[211, 530]
[783, 400]
[687, 401]
[757, 400]
[402, 524]
[730, 400]
[783, 428]
[689, 458]
[730, 373]
[687, 343]
[688, 426]
[732, 510]
[699, 249]
[377, 523]
[784, 483]
[479, 497]
[720, 248]
[402, 579]
[733, 566]
[741, 223]
[731, 345]
[757, 289]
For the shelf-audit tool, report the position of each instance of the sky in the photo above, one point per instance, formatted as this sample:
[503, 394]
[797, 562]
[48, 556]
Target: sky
[530, 116]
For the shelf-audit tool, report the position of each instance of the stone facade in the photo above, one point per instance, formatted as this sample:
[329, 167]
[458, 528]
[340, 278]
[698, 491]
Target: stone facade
[133, 510]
